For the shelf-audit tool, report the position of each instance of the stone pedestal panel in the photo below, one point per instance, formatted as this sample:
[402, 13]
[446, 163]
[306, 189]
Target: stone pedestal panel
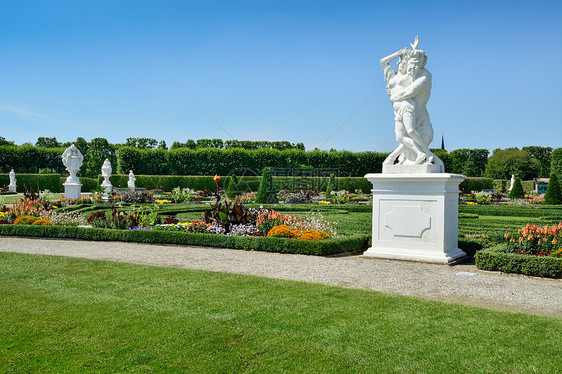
[415, 217]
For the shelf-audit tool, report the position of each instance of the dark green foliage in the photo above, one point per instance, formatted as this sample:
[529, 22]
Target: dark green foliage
[517, 191]
[471, 246]
[496, 258]
[556, 162]
[232, 189]
[542, 155]
[476, 184]
[49, 182]
[3, 141]
[266, 193]
[470, 162]
[29, 159]
[47, 142]
[511, 161]
[331, 186]
[99, 149]
[142, 143]
[281, 245]
[553, 194]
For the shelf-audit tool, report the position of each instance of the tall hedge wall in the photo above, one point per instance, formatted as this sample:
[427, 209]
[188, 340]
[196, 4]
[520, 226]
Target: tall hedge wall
[246, 183]
[206, 161]
[29, 159]
[556, 163]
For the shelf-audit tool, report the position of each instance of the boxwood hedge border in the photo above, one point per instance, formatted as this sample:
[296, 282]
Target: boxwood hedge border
[497, 258]
[281, 245]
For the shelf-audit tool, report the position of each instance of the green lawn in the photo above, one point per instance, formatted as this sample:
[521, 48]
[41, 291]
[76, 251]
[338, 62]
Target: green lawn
[73, 315]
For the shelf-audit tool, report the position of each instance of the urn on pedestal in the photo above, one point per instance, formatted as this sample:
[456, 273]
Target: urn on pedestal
[72, 160]
[106, 173]
[12, 186]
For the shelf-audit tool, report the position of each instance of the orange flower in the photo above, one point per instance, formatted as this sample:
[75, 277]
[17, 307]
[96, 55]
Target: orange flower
[216, 178]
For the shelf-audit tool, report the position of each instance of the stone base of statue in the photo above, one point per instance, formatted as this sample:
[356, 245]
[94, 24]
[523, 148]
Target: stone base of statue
[12, 187]
[72, 190]
[415, 216]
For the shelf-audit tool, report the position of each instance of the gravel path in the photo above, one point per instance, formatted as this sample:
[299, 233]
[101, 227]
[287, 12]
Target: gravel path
[460, 283]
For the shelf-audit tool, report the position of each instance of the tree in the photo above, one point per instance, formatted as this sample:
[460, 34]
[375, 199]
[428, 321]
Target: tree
[162, 145]
[512, 161]
[98, 150]
[142, 143]
[542, 155]
[3, 141]
[553, 194]
[47, 142]
[517, 191]
[266, 193]
[470, 162]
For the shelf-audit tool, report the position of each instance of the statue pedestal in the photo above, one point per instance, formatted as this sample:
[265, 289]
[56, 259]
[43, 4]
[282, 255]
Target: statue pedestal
[12, 187]
[415, 217]
[72, 186]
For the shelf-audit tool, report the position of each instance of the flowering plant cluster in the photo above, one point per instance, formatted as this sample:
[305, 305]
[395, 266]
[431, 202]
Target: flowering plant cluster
[284, 231]
[535, 240]
[116, 220]
[268, 219]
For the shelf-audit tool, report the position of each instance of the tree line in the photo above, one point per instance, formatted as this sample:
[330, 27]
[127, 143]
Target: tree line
[207, 156]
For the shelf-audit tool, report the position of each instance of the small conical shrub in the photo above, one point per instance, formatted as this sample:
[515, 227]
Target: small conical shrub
[331, 186]
[232, 189]
[517, 190]
[266, 192]
[553, 194]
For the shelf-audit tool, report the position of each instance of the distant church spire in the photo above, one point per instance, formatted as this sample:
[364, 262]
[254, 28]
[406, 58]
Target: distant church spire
[442, 142]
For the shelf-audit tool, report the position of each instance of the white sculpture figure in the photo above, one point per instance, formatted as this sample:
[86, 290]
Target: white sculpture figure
[512, 182]
[131, 182]
[72, 160]
[12, 185]
[409, 90]
[106, 173]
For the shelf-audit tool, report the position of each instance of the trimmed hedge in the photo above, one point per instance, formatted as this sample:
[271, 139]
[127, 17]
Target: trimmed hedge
[245, 183]
[205, 161]
[29, 159]
[476, 184]
[497, 258]
[51, 182]
[281, 245]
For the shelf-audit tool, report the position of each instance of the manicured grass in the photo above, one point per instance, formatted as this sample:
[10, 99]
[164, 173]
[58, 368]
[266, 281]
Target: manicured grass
[74, 315]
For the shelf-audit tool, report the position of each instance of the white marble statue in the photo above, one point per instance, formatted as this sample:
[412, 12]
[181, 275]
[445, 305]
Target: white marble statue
[131, 182]
[409, 89]
[72, 160]
[12, 186]
[106, 173]
[512, 182]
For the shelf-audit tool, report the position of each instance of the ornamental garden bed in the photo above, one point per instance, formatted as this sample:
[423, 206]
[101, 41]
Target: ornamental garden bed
[137, 217]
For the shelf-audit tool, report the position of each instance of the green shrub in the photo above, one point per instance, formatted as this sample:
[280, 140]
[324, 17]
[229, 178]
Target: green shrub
[556, 162]
[553, 194]
[281, 245]
[232, 189]
[476, 184]
[517, 191]
[266, 193]
[51, 182]
[471, 246]
[496, 258]
[331, 186]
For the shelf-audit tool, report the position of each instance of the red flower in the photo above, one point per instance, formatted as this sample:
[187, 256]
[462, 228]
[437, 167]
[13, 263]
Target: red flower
[216, 178]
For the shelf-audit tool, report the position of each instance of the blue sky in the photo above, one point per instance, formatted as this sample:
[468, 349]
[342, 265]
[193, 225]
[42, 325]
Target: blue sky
[277, 70]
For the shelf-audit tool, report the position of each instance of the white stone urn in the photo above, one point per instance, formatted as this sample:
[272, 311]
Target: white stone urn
[106, 173]
[72, 160]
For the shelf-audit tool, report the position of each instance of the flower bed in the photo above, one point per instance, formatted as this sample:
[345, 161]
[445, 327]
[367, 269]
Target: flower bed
[307, 247]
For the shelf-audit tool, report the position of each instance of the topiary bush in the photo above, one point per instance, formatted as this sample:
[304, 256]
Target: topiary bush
[517, 191]
[553, 194]
[266, 192]
[232, 189]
